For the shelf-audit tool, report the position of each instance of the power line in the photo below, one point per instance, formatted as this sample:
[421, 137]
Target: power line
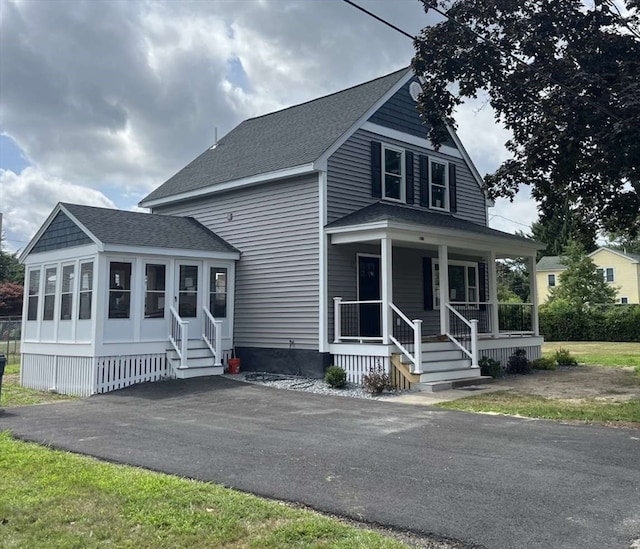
[464, 26]
[507, 219]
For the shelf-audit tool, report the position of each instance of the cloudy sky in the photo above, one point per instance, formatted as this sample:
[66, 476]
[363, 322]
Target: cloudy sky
[101, 101]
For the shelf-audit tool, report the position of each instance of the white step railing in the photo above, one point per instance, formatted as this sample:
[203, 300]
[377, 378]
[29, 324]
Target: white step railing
[179, 336]
[212, 335]
[464, 333]
[407, 332]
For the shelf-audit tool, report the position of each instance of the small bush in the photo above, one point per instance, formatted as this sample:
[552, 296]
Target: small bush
[564, 358]
[376, 381]
[336, 377]
[544, 363]
[518, 363]
[490, 367]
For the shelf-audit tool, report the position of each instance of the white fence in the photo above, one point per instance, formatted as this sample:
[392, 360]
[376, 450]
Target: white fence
[116, 372]
[356, 366]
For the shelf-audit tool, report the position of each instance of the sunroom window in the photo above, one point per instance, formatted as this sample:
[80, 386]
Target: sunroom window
[66, 294]
[218, 292]
[50, 279]
[34, 290]
[154, 297]
[85, 291]
[393, 173]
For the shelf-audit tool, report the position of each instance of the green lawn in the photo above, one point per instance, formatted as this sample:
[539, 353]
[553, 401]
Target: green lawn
[597, 353]
[56, 499]
[590, 410]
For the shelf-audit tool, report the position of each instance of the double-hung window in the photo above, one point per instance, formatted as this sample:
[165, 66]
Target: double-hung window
[50, 282]
[438, 185]
[66, 293]
[607, 273]
[34, 290]
[463, 283]
[393, 186]
[551, 280]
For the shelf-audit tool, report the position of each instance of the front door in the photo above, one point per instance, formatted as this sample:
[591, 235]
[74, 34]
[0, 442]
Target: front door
[187, 298]
[369, 290]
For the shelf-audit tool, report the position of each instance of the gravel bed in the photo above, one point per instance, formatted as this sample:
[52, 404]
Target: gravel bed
[309, 385]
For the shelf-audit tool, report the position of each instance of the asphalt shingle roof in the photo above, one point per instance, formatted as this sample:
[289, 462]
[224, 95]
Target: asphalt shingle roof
[291, 137]
[382, 211]
[147, 230]
[550, 263]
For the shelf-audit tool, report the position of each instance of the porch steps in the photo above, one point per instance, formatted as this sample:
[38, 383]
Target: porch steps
[443, 362]
[199, 361]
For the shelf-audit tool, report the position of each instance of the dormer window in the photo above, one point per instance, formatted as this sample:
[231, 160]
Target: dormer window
[393, 173]
[438, 185]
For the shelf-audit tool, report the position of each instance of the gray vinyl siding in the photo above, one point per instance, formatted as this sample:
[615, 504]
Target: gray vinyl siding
[61, 233]
[275, 227]
[400, 113]
[349, 179]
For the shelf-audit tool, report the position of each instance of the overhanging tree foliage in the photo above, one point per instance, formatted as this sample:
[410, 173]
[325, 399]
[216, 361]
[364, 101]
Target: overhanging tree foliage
[562, 75]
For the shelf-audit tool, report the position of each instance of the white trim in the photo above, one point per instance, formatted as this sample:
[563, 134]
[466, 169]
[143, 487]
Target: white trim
[624, 302]
[616, 252]
[458, 263]
[362, 349]
[230, 185]
[504, 341]
[467, 159]
[421, 142]
[604, 273]
[322, 160]
[171, 252]
[323, 283]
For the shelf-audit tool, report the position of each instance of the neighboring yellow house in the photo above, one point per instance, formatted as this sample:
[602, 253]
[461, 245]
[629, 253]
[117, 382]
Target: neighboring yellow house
[620, 269]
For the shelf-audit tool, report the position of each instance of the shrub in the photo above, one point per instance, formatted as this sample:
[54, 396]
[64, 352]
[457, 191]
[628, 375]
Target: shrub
[490, 367]
[376, 381]
[336, 377]
[544, 363]
[518, 363]
[564, 358]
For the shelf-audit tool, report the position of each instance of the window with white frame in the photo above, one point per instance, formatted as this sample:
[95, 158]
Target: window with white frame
[50, 281]
[66, 292]
[624, 300]
[85, 291]
[393, 175]
[463, 282]
[438, 185]
[607, 273]
[34, 291]
[218, 292]
[551, 280]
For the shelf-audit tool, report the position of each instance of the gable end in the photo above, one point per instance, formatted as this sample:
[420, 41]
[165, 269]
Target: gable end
[61, 233]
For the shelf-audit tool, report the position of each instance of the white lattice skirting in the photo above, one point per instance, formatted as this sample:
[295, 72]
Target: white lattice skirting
[84, 376]
[356, 366]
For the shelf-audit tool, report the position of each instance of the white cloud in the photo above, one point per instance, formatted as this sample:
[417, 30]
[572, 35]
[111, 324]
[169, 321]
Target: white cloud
[28, 198]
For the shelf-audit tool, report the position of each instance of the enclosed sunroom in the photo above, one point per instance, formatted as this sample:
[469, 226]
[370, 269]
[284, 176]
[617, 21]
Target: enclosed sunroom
[114, 298]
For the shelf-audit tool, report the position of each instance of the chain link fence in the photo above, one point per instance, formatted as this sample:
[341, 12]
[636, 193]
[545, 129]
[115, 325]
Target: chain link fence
[10, 337]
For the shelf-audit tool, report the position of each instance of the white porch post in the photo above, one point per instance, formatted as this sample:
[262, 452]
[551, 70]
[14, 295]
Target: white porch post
[386, 249]
[493, 295]
[443, 264]
[533, 295]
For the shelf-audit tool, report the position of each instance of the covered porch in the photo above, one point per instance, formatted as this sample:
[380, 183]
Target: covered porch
[424, 295]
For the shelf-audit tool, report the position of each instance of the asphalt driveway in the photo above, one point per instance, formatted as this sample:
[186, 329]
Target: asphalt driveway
[488, 480]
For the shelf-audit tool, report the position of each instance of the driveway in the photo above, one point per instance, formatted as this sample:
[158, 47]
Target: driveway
[487, 480]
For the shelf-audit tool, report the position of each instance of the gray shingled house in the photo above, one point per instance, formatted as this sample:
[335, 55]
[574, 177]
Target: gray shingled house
[331, 232]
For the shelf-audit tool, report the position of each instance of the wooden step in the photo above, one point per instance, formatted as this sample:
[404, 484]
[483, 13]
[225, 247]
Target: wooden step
[446, 385]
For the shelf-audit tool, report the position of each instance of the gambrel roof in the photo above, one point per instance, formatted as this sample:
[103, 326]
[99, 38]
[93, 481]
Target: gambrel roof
[296, 136]
[72, 225]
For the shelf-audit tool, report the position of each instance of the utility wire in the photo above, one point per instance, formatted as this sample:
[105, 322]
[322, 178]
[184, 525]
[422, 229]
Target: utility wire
[464, 26]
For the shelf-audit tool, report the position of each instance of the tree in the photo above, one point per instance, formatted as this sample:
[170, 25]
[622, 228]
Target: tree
[556, 229]
[580, 283]
[562, 76]
[11, 299]
[623, 243]
[11, 269]
[513, 281]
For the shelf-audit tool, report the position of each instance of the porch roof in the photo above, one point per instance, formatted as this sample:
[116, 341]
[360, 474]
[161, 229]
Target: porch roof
[433, 226]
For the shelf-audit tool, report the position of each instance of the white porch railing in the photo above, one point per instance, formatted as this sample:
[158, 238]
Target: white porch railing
[212, 335]
[407, 332]
[178, 335]
[464, 334]
[357, 320]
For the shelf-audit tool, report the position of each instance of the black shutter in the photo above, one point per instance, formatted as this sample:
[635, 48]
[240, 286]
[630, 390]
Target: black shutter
[376, 170]
[427, 280]
[453, 205]
[424, 181]
[482, 282]
[408, 160]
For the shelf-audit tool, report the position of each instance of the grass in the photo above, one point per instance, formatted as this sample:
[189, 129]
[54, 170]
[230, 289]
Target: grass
[13, 394]
[56, 499]
[591, 410]
[600, 353]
